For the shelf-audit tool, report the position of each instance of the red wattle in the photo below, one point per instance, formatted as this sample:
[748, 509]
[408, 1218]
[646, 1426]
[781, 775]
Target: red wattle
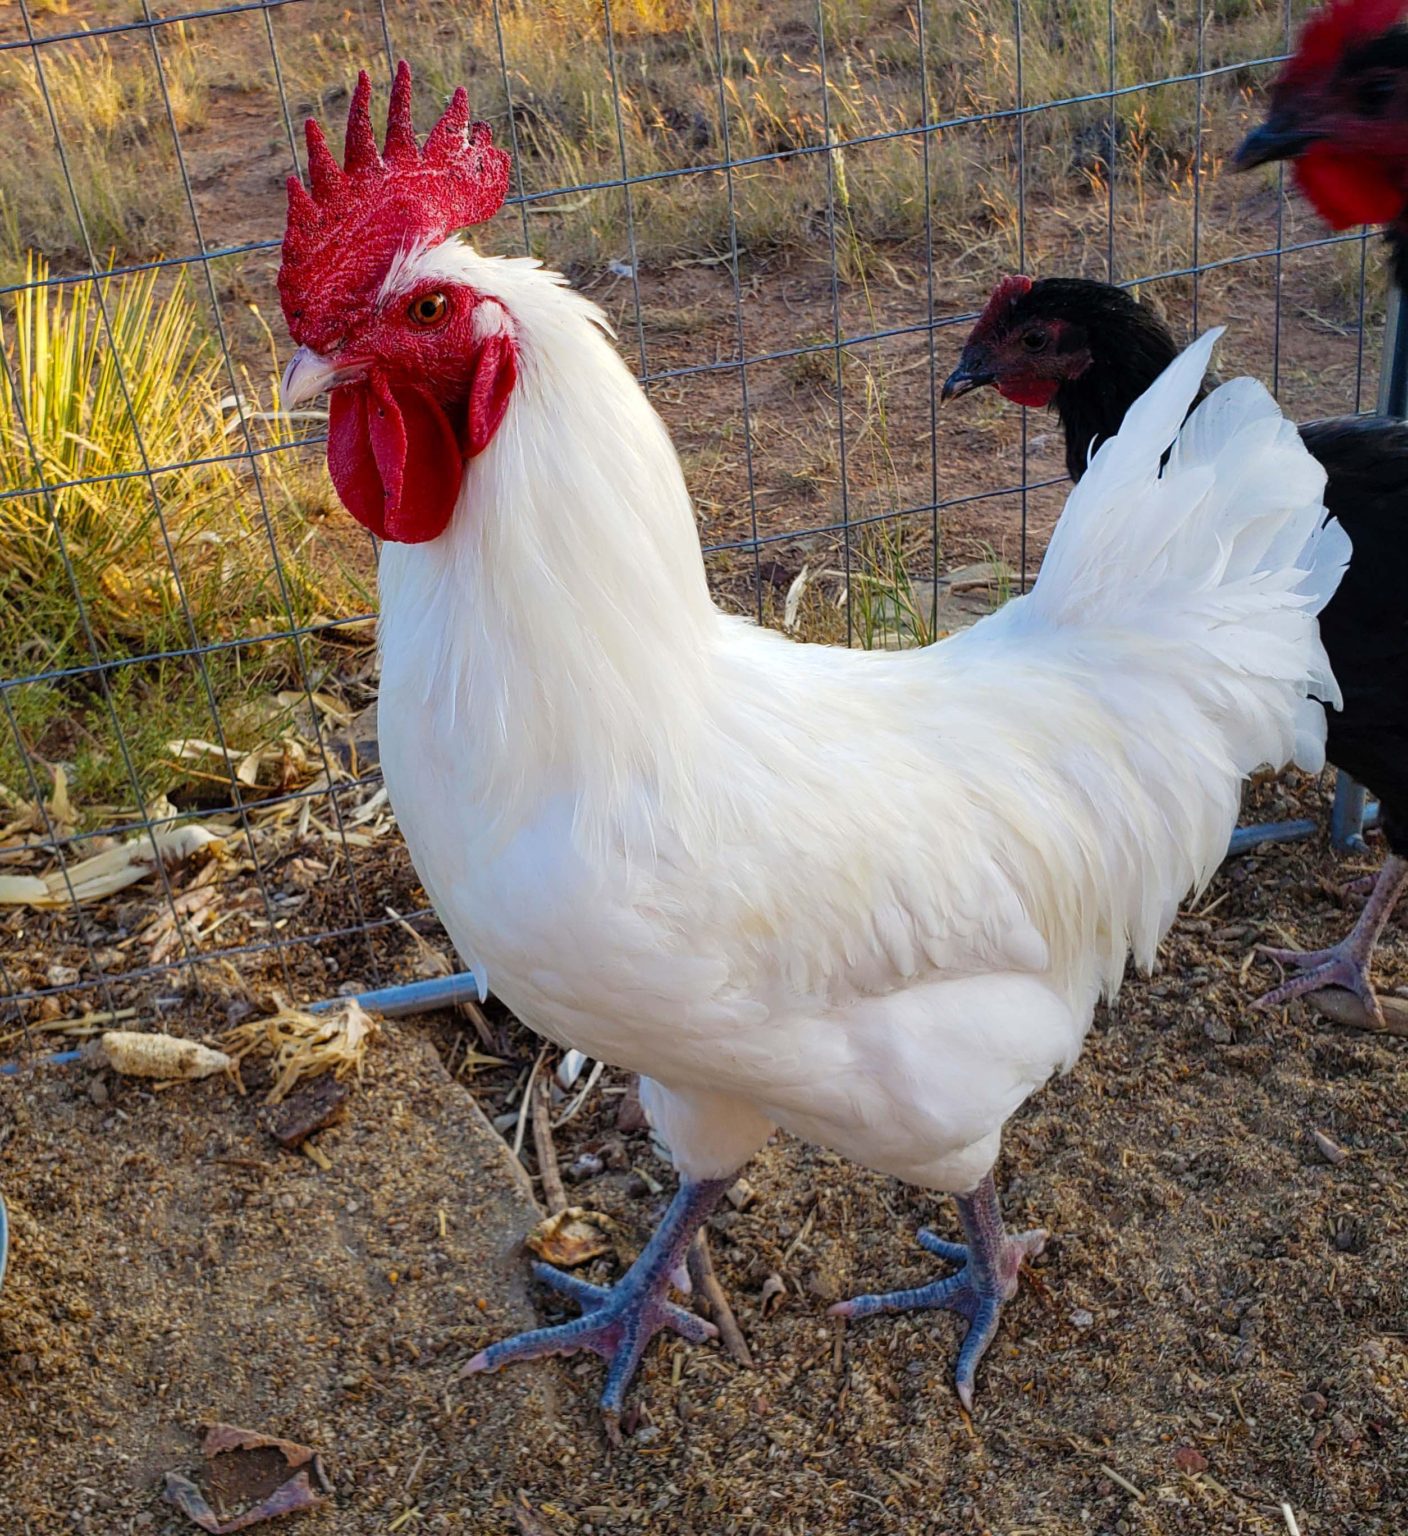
[394, 460]
[1348, 189]
[1029, 391]
[495, 373]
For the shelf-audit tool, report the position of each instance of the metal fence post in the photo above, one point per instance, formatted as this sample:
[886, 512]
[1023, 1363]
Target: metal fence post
[1393, 371]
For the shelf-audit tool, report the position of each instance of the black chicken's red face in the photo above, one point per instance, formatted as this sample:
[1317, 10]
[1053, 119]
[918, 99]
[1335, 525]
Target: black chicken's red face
[1339, 112]
[1021, 347]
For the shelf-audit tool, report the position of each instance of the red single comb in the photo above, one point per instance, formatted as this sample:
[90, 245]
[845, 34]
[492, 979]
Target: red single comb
[1002, 300]
[1331, 32]
[342, 236]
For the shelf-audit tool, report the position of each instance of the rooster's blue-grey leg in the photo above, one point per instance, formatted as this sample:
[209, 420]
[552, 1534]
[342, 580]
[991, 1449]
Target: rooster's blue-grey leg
[1347, 963]
[990, 1259]
[619, 1321]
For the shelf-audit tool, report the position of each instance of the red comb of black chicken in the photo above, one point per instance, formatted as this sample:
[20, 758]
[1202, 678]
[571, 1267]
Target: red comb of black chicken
[344, 233]
[1002, 301]
[1331, 32]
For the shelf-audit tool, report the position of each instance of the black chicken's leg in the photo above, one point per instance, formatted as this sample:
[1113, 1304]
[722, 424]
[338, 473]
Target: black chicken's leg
[1346, 964]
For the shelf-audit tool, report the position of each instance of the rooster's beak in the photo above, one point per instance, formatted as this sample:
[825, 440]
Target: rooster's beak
[308, 375]
[965, 377]
[1272, 141]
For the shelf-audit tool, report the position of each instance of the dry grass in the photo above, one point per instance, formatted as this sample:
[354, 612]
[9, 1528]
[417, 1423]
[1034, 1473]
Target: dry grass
[684, 84]
[105, 99]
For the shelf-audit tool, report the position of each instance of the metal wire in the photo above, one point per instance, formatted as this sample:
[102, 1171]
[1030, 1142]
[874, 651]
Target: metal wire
[934, 502]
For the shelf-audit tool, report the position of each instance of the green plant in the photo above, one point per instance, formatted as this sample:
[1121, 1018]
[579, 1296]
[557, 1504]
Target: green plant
[129, 527]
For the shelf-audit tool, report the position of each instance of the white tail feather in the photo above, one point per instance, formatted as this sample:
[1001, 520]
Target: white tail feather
[1186, 600]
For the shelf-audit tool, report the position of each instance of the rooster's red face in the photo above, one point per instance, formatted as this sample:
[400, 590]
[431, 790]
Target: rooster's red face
[419, 367]
[1340, 112]
[1020, 347]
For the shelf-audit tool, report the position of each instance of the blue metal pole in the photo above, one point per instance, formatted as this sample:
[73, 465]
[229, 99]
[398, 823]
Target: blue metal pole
[413, 997]
[1347, 816]
[58, 1059]
[1244, 839]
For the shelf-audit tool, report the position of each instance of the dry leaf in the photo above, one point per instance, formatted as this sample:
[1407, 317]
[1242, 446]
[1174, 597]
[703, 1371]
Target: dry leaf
[294, 1494]
[113, 870]
[571, 1237]
[794, 599]
[60, 807]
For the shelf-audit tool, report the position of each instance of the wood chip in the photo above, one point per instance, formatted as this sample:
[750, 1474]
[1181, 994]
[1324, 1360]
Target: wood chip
[1342, 1007]
[708, 1290]
[1124, 1482]
[554, 1194]
[740, 1194]
[1328, 1149]
[314, 1108]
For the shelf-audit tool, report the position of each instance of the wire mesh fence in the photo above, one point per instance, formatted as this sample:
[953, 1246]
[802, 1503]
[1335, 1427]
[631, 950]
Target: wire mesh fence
[791, 216]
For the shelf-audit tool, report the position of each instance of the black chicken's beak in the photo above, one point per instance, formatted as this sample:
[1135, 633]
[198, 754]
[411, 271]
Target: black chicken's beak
[969, 375]
[1273, 141]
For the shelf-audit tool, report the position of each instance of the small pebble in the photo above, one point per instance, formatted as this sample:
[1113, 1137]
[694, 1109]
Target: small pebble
[1313, 1403]
[1218, 1031]
[1080, 1318]
[62, 975]
[1188, 1459]
[97, 1090]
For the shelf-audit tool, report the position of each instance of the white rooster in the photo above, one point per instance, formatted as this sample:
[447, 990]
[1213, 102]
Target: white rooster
[872, 898]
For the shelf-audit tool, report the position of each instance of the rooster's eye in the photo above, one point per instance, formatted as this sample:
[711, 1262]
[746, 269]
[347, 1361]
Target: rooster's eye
[1375, 92]
[430, 309]
[1035, 341]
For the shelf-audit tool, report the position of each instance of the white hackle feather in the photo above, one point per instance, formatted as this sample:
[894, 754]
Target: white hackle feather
[871, 897]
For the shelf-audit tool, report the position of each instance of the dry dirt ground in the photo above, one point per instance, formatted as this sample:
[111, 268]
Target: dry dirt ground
[1219, 1323]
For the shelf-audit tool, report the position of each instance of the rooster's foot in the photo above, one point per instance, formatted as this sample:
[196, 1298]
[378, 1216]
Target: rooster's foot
[618, 1322]
[987, 1280]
